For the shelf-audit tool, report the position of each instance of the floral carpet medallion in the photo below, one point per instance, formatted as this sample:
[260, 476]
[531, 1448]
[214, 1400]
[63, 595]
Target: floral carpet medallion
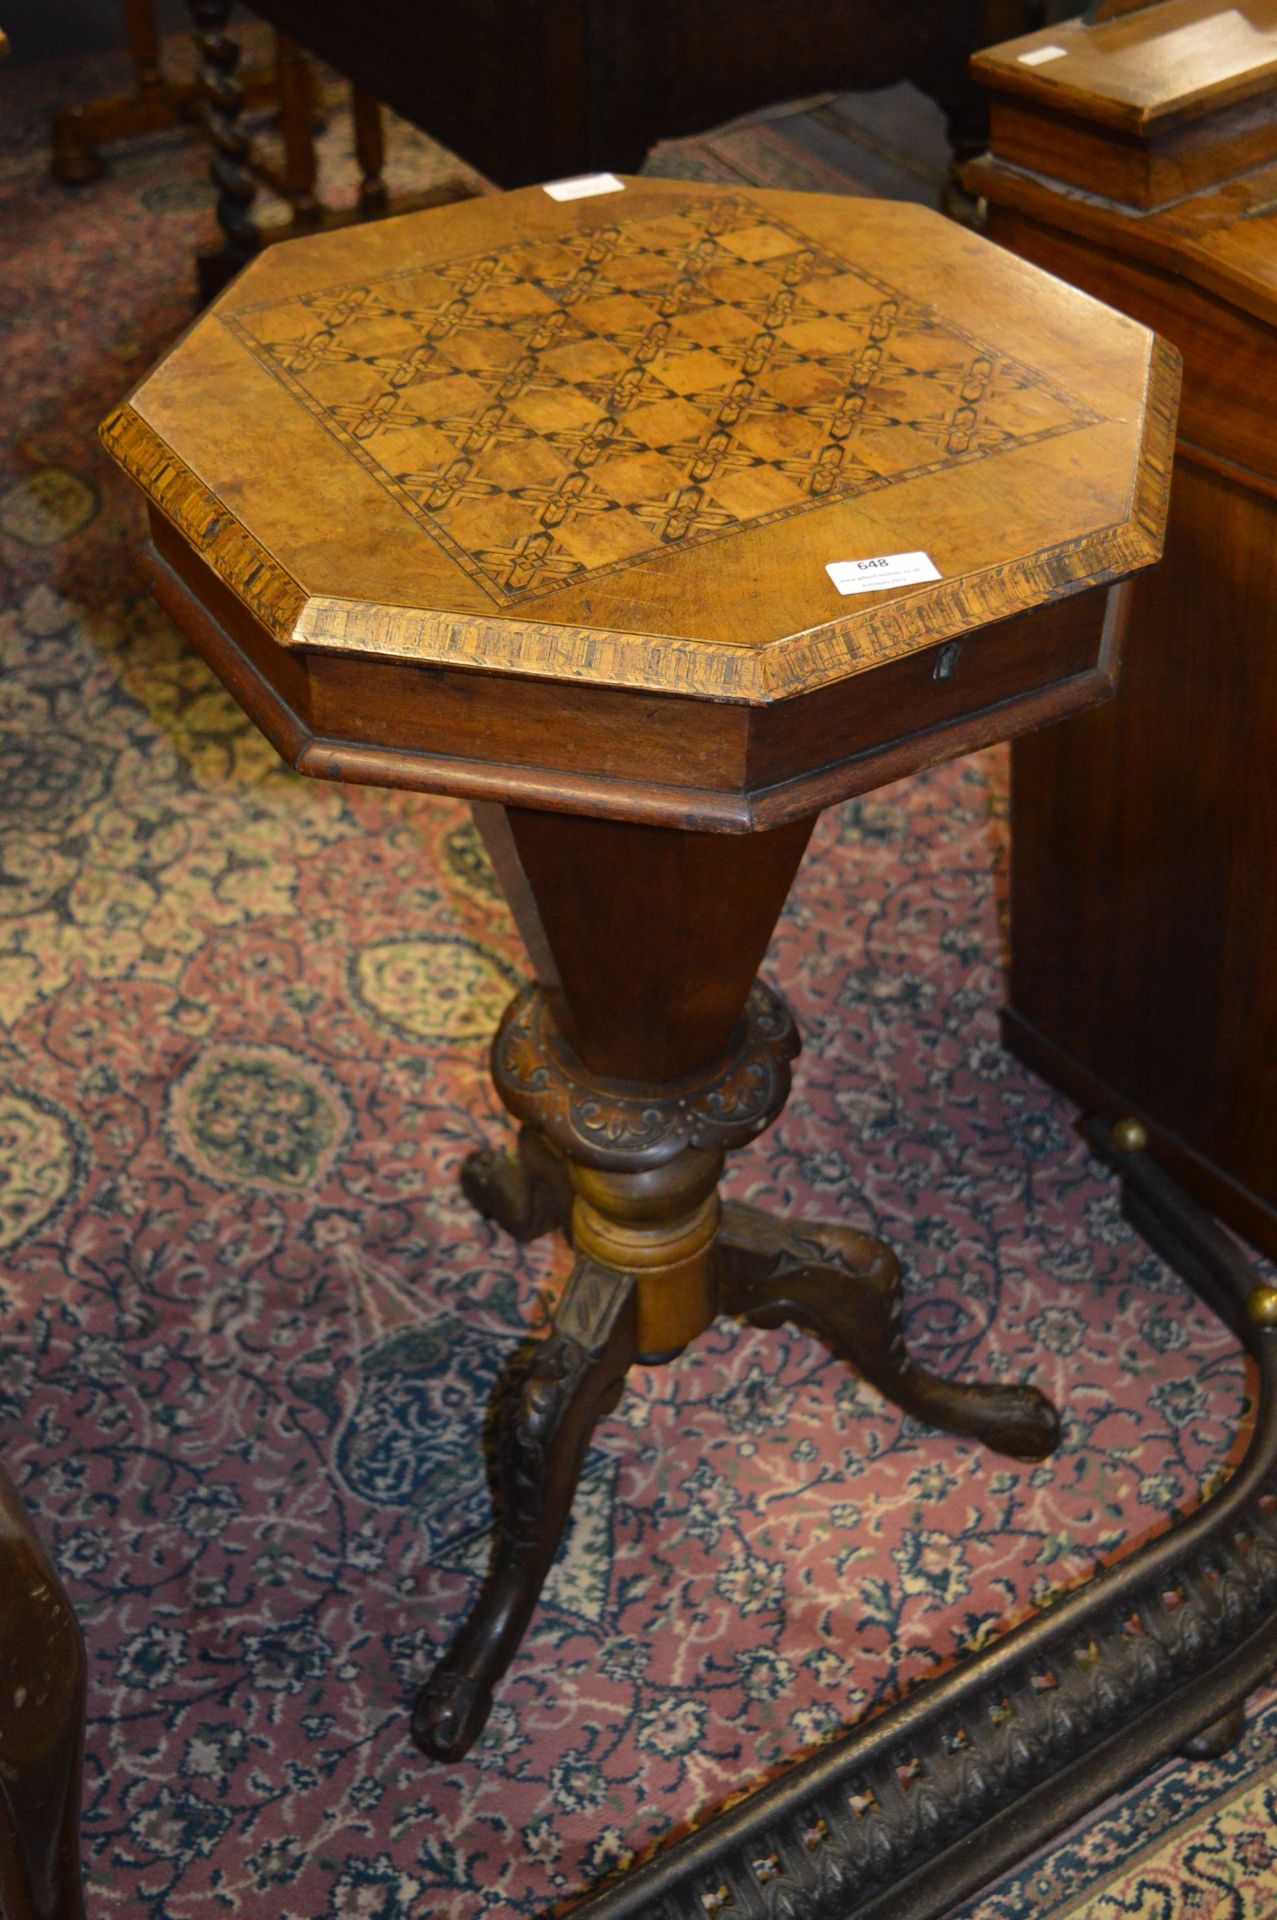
[435, 989]
[256, 1116]
[51, 505]
[249, 1329]
[40, 1161]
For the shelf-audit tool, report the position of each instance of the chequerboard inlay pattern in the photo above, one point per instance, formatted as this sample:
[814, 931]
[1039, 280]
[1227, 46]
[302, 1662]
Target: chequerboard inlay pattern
[566, 406]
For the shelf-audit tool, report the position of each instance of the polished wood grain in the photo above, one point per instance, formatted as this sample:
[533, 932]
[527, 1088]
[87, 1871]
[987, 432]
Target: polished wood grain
[643, 997]
[1144, 109]
[41, 1728]
[1149, 175]
[1144, 918]
[1157, 67]
[615, 754]
[531, 503]
[658, 415]
[612, 445]
[1143, 930]
[1226, 345]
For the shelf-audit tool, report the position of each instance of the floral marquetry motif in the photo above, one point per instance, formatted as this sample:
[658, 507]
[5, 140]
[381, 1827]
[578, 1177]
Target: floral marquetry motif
[257, 1116]
[39, 1164]
[437, 989]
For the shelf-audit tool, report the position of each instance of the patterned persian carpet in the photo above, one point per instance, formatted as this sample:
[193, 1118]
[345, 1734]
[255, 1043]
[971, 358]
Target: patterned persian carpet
[248, 1328]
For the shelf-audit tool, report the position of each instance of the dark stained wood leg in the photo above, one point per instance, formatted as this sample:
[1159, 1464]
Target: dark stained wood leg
[526, 1194]
[370, 151]
[41, 1728]
[647, 1051]
[576, 1376]
[77, 130]
[144, 45]
[846, 1288]
[297, 131]
[232, 177]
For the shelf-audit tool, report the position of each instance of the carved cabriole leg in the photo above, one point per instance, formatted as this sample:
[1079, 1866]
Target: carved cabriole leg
[527, 1194]
[575, 1377]
[646, 1051]
[640, 1291]
[846, 1287]
[370, 151]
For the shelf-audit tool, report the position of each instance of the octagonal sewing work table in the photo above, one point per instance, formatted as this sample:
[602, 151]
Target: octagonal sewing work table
[653, 521]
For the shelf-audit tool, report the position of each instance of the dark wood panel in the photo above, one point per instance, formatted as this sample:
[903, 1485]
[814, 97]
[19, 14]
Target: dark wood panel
[1144, 910]
[1125, 168]
[440, 710]
[1227, 351]
[967, 679]
[528, 92]
[42, 1677]
[656, 934]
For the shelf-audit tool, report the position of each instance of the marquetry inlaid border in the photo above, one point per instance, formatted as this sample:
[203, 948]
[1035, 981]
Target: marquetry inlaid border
[797, 663]
[267, 589]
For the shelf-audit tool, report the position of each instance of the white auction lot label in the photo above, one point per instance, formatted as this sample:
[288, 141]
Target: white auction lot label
[1040, 56]
[885, 570]
[583, 186]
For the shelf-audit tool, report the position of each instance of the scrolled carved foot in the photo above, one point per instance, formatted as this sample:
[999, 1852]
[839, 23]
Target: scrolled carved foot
[451, 1712]
[576, 1375]
[527, 1195]
[846, 1288]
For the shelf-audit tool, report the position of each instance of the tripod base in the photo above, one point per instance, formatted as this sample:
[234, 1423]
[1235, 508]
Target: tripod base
[659, 1256]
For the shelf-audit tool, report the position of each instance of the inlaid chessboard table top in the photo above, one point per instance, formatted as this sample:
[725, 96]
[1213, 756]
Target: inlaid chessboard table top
[618, 440]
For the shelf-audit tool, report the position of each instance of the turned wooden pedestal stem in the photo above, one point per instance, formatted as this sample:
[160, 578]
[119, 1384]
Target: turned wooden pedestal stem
[646, 1050]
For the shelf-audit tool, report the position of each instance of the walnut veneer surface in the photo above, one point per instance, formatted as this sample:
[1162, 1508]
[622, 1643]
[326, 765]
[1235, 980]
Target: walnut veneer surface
[612, 444]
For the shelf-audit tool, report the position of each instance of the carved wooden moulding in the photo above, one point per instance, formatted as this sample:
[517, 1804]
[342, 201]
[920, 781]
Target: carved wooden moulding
[575, 474]
[608, 1123]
